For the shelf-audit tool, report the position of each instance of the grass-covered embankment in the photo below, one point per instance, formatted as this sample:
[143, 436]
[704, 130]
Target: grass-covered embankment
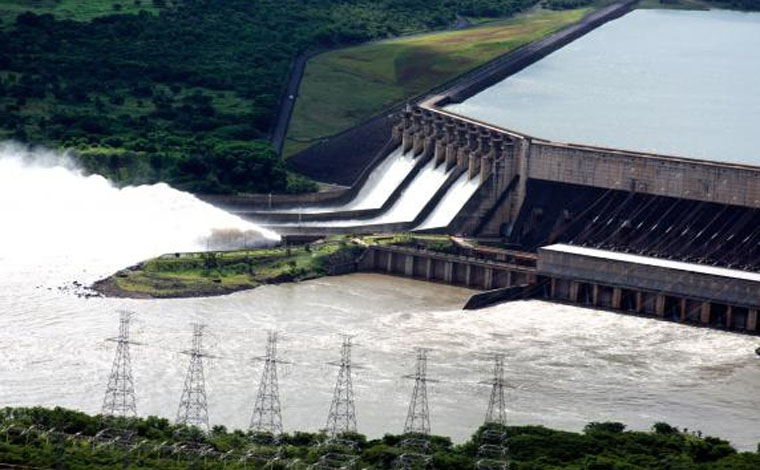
[343, 87]
[223, 272]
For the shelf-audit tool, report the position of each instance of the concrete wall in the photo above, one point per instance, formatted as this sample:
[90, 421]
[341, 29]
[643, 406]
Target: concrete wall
[608, 272]
[645, 173]
[475, 273]
[655, 304]
[506, 160]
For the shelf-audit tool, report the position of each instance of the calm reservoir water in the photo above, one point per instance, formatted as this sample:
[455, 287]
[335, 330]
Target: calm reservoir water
[566, 366]
[684, 83]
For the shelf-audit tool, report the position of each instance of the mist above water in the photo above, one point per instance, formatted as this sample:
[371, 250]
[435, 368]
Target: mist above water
[51, 210]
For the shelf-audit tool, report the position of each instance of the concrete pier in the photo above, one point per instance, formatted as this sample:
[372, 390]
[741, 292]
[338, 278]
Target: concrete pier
[662, 289]
[466, 271]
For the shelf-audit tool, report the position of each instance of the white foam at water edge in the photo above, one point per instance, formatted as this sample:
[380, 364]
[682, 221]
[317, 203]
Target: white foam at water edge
[49, 207]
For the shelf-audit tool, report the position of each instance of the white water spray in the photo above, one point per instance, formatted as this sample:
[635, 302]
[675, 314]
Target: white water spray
[50, 210]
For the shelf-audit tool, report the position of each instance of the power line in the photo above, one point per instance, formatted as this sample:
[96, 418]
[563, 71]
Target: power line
[119, 399]
[193, 407]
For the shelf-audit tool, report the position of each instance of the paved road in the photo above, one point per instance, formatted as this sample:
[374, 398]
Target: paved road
[288, 102]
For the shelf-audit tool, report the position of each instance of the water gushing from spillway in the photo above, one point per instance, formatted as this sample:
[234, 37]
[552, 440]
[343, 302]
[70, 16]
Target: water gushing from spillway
[382, 181]
[51, 211]
[411, 202]
[451, 203]
[377, 188]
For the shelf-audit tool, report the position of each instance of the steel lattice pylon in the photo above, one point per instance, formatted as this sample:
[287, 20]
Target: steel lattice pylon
[266, 411]
[342, 417]
[193, 409]
[120, 392]
[493, 448]
[418, 416]
[497, 406]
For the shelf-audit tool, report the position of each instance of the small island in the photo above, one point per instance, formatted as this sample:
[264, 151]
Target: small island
[211, 273]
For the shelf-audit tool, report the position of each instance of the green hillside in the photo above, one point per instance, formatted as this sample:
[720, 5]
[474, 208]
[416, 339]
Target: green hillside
[183, 91]
[341, 88]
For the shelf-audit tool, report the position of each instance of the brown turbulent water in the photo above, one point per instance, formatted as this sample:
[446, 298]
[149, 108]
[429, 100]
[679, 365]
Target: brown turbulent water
[566, 365]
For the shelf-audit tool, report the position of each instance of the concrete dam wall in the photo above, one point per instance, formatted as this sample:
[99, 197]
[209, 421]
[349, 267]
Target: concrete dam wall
[468, 177]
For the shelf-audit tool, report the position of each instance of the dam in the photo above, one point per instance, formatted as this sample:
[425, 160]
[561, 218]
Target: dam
[558, 235]
[448, 165]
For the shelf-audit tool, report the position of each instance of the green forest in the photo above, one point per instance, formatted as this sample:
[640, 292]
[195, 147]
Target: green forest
[186, 91]
[59, 438]
[182, 91]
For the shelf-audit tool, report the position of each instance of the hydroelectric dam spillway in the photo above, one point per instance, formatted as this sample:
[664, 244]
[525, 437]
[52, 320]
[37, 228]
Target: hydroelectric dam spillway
[688, 227]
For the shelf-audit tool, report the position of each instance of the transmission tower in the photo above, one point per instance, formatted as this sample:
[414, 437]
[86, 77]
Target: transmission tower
[497, 406]
[266, 411]
[193, 410]
[418, 417]
[493, 448]
[342, 417]
[120, 392]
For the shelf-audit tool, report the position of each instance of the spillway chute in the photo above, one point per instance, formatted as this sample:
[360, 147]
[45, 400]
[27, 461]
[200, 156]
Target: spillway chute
[452, 203]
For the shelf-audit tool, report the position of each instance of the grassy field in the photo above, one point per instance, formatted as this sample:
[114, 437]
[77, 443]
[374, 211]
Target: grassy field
[78, 10]
[222, 272]
[343, 87]
[216, 273]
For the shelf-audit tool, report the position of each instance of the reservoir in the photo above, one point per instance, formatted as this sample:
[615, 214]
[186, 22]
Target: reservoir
[681, 83]
[565, 365]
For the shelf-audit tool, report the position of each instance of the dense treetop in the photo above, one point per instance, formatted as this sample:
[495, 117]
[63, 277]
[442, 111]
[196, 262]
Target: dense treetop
[601, 446]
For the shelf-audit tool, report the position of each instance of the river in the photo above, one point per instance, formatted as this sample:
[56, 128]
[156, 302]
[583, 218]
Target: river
[674, 82]
[566, 366]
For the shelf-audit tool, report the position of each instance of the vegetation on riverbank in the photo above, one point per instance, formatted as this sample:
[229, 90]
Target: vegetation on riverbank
[59, 438]
[222, 272]
[343, 87]
[182, 91]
